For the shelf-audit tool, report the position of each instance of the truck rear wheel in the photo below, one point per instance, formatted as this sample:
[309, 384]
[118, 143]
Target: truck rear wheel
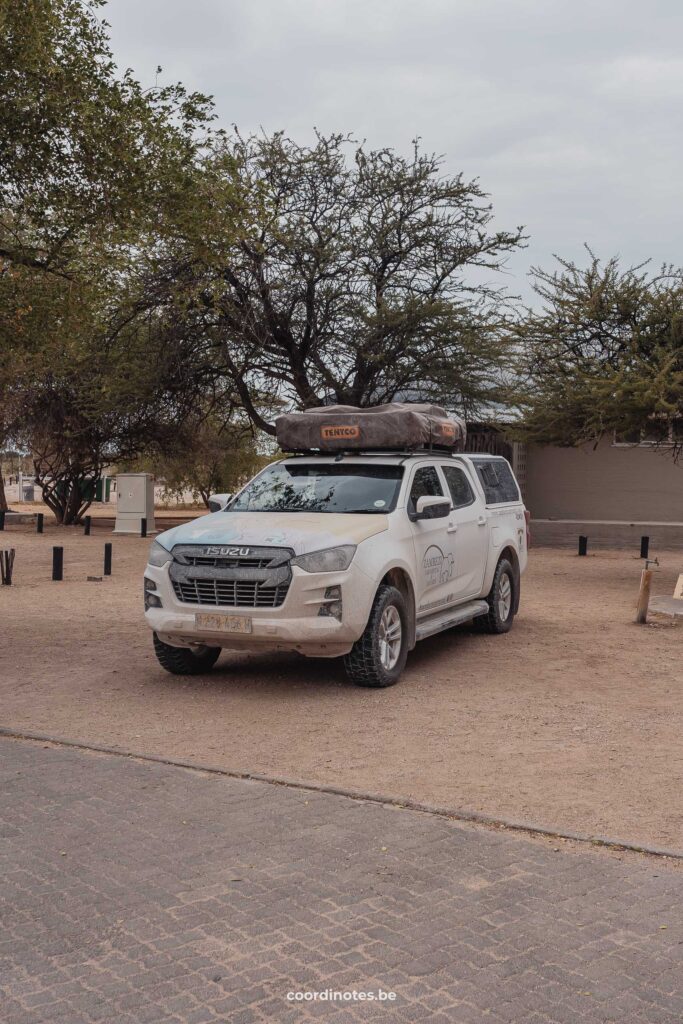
[501, 601]
[379, 656]
[184, 661]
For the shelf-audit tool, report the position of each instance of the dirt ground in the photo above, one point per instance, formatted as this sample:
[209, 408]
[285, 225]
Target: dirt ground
[573, 720]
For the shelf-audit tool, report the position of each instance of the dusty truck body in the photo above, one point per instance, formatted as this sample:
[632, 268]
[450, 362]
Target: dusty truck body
[355, 554]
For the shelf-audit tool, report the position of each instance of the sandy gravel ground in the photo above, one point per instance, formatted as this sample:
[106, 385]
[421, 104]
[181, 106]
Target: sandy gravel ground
[573, 720]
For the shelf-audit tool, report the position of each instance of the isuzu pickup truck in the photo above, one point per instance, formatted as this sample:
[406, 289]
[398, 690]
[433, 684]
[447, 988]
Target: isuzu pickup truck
[356, 555]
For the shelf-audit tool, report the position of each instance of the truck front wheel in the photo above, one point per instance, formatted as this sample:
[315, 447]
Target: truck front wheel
[184, 661]
[378, 658]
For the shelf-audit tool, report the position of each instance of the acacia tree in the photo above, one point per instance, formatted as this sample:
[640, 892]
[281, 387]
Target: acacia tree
[603, 354]
[347, 275]
[99, 401]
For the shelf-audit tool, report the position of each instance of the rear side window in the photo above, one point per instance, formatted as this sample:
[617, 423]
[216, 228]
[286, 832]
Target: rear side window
[498, 482]
[459, 486]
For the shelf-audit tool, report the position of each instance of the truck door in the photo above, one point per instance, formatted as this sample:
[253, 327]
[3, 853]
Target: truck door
[468, 528]
[434, 546]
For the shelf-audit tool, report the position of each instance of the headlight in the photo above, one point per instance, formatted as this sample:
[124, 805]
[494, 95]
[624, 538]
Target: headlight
[158, 555]
[327, 560]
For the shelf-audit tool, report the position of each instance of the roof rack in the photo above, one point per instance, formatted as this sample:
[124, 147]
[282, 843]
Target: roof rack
[376, 452]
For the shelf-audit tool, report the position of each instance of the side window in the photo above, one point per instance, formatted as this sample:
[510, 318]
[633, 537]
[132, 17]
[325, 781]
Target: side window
[425, 484]
[498, 482]
[459, 486]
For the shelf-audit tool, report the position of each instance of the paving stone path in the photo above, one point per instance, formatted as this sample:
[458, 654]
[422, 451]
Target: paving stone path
[136, 893]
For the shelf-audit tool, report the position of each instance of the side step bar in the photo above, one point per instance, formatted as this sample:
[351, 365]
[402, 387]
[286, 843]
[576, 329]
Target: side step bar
[452, 617]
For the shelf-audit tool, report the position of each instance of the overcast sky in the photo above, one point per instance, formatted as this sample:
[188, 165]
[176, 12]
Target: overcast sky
[568, 111]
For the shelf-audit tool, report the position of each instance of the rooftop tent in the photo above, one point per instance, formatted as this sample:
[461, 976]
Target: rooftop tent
[397, 425]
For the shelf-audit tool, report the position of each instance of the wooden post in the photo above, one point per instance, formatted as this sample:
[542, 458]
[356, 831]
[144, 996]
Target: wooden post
[644, 595]
[87, 525]
[143, 527]
[583, 545]
[107, 560]
[644, 547]
[40, 519]
[6, 567]
[2, 520]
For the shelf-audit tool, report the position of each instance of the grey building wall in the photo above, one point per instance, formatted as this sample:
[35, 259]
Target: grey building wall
[611, 482]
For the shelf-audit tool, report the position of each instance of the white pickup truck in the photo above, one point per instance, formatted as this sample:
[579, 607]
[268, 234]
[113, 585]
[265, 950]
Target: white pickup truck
[356, 555]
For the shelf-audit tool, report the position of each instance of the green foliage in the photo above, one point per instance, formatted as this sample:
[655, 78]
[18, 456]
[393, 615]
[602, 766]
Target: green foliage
[88, 157]
[93, 167]
[603, 355]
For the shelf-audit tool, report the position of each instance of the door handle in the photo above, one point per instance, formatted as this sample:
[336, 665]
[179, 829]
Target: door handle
[481, 521]
[451, 528]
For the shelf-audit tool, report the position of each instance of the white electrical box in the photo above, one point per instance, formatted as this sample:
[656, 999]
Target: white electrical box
[134, 502]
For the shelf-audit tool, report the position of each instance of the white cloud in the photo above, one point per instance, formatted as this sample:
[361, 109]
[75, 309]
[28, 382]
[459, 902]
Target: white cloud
[569, 113]
[644, 78]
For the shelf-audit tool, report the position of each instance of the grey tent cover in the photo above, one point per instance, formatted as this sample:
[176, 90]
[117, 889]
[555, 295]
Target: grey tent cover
[391, 426]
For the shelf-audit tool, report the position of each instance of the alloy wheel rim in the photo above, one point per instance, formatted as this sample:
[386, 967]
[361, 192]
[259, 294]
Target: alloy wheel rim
[504, 597]
[390, 636]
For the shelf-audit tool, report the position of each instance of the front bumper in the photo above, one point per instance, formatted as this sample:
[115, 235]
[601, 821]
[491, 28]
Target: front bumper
[295, 625]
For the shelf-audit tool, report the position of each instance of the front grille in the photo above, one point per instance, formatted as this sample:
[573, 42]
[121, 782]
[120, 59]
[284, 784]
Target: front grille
[242, 577]
[244, 594]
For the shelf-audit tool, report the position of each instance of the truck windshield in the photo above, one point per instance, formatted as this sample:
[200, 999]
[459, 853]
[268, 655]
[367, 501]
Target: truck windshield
[322, 487]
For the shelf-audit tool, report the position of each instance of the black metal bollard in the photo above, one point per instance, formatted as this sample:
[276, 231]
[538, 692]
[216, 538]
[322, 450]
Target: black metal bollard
[2, 520]
[107, 559]
[87, 525]
[143, 527]
[40, 522]
[583, 545]
[58, 564]
[644, 547]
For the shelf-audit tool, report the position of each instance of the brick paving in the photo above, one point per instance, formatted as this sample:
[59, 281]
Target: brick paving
[137, 893]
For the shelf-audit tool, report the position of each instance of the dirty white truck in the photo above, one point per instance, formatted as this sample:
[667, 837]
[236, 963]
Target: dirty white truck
[377, 533]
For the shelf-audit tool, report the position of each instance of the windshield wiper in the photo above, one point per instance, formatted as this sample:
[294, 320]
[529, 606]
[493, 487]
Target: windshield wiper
[278, 510]
[320, 511]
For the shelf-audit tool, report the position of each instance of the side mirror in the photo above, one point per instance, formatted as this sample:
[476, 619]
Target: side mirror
[217, 502]
[432, 507]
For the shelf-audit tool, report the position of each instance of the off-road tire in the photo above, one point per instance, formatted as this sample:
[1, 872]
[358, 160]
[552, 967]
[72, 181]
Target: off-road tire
[363, 663]
[183, 661]
[493, 621]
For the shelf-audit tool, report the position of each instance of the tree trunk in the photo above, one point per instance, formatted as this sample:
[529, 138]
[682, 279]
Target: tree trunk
[64, 498]
[72, 503]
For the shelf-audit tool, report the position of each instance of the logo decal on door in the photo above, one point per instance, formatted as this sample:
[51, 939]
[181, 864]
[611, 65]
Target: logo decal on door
[438, 568]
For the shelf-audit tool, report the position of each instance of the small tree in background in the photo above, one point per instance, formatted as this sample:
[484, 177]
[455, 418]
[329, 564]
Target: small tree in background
[603, 355]
[214, 455]
[92, 385]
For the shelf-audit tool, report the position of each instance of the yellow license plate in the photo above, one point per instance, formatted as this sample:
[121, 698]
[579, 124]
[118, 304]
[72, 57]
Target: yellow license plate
[222, 623]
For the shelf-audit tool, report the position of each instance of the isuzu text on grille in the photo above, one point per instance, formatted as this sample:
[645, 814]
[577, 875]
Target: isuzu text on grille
[227, 552]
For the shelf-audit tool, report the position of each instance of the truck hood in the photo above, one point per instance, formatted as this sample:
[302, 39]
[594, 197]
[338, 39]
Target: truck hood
[302, 531]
